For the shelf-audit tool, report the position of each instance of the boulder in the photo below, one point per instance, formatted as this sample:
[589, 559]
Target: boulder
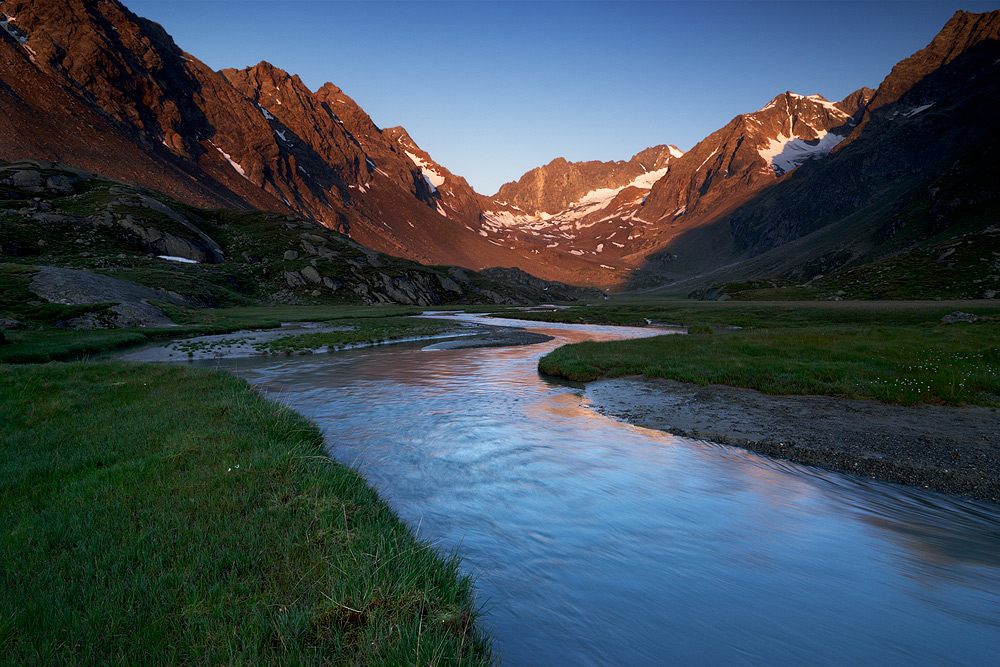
[294, 279]
[60, 184]
[312, 275]
[449, 284]
[29, 180]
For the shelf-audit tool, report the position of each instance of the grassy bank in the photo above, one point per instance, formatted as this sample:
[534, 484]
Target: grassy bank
[897, 354]
[361, 324]
[161, 515]
[763, 315]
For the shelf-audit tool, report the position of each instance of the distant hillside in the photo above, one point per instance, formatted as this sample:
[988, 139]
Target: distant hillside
[55, 216]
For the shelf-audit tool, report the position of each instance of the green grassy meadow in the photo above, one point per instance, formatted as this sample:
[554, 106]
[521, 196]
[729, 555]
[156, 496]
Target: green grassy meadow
[898, 353]
[161, 515]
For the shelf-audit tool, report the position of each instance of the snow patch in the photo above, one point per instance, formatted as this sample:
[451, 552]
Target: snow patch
[235, 165]
[707, 159]
[674, 151]
[819, 99]
[576, 252]
[281, 133]
[620, 245]
[433, 178]
[646, 181]
[919, 109]
[786, 153]
[266, 114]
[609, 268]
[600, 247]
[172, 258]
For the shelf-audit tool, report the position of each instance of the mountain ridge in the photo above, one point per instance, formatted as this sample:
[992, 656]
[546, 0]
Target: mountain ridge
[258, 138]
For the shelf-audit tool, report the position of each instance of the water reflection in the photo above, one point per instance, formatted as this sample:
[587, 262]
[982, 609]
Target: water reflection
[595, 542]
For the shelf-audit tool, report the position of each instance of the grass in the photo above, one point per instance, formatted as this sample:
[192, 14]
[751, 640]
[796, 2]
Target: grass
[763, 315]
[162, 515]
[898, 355]
[53, 345]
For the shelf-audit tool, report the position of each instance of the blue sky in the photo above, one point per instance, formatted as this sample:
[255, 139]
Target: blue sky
[493, 89]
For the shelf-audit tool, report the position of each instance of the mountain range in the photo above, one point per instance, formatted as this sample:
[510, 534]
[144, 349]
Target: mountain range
[799, 189]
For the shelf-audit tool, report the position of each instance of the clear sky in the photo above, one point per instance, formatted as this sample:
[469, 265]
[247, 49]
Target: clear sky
[493, 89]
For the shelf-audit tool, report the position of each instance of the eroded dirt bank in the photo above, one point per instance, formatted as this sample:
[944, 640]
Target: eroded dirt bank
[952, 449]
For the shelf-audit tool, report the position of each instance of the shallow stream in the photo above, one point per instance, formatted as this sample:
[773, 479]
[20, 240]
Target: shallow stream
[594, 542]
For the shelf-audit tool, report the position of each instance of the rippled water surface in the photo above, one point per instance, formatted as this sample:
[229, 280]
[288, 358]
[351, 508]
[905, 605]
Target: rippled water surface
[595, 542]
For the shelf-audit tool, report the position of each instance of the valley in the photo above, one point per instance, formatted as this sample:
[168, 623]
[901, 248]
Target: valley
[278, 387]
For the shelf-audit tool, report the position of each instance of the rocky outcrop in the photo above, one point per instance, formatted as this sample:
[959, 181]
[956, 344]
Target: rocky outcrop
[131, 307]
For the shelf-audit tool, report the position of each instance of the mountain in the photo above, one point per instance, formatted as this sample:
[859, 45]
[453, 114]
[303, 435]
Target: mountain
[618, 213]
[919, 169]
[801, 187]
[88, 83]
[559, 185]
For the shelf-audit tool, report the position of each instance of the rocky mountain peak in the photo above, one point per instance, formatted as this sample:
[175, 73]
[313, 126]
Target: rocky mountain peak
[560, 183]
[962, 31]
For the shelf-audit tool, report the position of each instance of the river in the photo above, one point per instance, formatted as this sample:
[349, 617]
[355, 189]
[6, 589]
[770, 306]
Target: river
[594, 542]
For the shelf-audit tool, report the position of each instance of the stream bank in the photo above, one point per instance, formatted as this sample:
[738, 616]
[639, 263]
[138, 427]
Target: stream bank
[946, 448]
